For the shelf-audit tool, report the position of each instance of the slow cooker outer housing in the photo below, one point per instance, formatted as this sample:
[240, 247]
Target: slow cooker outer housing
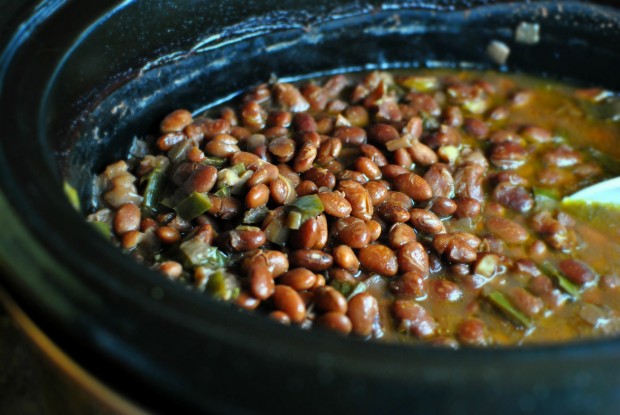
[79, 79]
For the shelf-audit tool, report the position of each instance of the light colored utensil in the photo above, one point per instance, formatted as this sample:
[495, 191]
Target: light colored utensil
[607, 192]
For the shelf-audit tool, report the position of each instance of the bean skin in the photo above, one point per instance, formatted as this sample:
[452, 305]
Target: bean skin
[380, 259]
[298, 279]
[382, 133]
[426, 222]
[275, 261]
[352, 232]
[507, 230]
[368, 167]
[350, 135]
[363, 311]
[335, 321]
[377, 192]
[305, 188]
[307, 235]
[472, 332]
[261, 283]
[322, 232]
[127, 218]
[413, 186]
[305, 157]
[576, 271]
[409, 284]
[321, 177]
[281, 317]
[467, 207]
[374, 154]
[329, 299]
[344, 257]
[288, 300]
[401, 234]
[335, 204]
[413, 257]
[358, 197]
[443, 207]
[313, 259]
[413, 318]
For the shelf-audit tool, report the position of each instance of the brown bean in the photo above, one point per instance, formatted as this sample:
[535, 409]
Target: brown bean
[261, 282]
[131, 239]
[322, 232]
[358, 197]
[576, 271]
[453, 116]
[476, 128]
[288, 300]
[218, 148]
[306, 188]
[426, 222]
[279, 119]
[375, 229]
[513, 197]
[305, 157]
[169, 140]
[422, 154]
[413, 257]
[176, 121]
[467, 207]
[127, 218]
[458, 250]
[368, 167]
[299, 279]
[391, 171]
[377, 191]
[171, 269]
[394, 213]
[525, 301]
[374, 154]
[363, 311]
[321, 177]
[329, 150]
[282, 191]
[443, 206]
[281, 317]
[283, 148]
[468, 182]
[413, 318]
[401, 234]
[335, 204]
[264, 174]
[508, 155]
[440, 180]
[202, 180]
[328, 299]
[344, 257]
[246, 238]
[445, 136]
[168, 235]
[471, 332]
[355, 136]
[536, 134]
[285, 170]
[402, 158]
[304, 122]
[379, 259]
[357, 115]
[275, 261]
[445, 290]
[413, 186]
[211, 128]
[307, 235]
[246, 301]
[507, 230]
[250, 161]
[382, 133]
[353, 232]
[257, 196]
[313, 259]
[409, 284]
[562, 156]
[335, 321]
[289, 96]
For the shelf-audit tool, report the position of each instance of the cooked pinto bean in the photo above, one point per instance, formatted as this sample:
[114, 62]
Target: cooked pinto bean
[413, 318]
[377, 192]
[313, 259]
[321, 177]
[345, 258]
[443, 206]
[445, 290]
[288, 300]
[472, 332]
[467, 207]
[298, 279]
[329, 299]
[379, 258]
[335, 321]
[426, 222]
[507, 230]
[413, 257]
[368, 167]
[401, 234]
[374, 154]
[363, 310]
[257, 196]
[335, 204]
[413, 186]
[261, 282]
[409, 284]
[576, 271]
[127, 219]
[526, 302]
[176, 121]
[358, 197]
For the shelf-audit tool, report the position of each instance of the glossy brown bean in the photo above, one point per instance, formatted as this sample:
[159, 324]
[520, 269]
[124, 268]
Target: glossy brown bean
[329, 150]
[446, 291]
[513, 197]
[354, 136]
[280, 316]
[246, 301]
[298, 279]
[374, 154]
[257, 196]
[391, 171]
[426, 222]
[283, 148]
[328, 299]
[357, 115]
[131, 239]
[202, 180]
[335, 204]
[250, 161]
[468, 182]
[288, 300]
[276, 262]
[413, 186]
[243, 239]
[168, 235]
[576, 271]
[353, 232]
[402, 158]
[176, 121]
[289, 96]
[453, 116]
[377, 191]
[358, 197]
[282, 191]
[344, 257]
[382, 133]
[440, 180]
[321, 177]
[261, 282]
[458, 250]
[306, 187]
[375, 229]
[471, 332]
[409, 285]
[166, 141]
[368, 167]
[476, 128]
[305, 157]
[421, 154]
[212, 128]
[304, 122]
[171, 269]
[467, 207]
[508, 155]
[379, 259]
[507, 230]
[363, 310]
[127, 218]
[526, 302]
[413, 318]
[264, 174]
[443, 207]
[334, 321]
[413, 257]
[401, 234]
[322, 232]
[307, 235]
[313, 259]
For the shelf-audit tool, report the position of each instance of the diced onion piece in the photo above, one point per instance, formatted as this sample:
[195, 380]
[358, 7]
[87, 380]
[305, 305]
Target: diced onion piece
[527, 33]
[498, 52]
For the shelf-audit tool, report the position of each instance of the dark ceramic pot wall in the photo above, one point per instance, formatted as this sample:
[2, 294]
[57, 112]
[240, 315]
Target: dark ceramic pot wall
[79, 79]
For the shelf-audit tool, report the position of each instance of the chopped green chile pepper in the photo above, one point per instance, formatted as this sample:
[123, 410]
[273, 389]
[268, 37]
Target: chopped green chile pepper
[72, 195]
[308, 206]
[197, 253]
[223, 192]
[277, 232]
[155, 185]
[102, 228]
[293, 220]
[193, 206]
[255, 215]
[238, 168]
[500, 301]
[345, 288]
[359, 288]
[551, 271]
[223, 286]
[214, 161]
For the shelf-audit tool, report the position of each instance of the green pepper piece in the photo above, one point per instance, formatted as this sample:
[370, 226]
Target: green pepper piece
[277, 232]
[359, 288]
[155, 184]
[309, 206]
[102, 228]
[255, 215]
[197, 253]
[500, 301]
[238, 168]
[551, 271]
[193, 206]
[345, 288]
[222, 286]
[72, 195]
[223, 192]
[217, 162]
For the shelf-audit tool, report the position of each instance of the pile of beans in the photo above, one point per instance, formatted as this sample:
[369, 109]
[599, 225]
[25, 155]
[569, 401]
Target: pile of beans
[420, 206]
